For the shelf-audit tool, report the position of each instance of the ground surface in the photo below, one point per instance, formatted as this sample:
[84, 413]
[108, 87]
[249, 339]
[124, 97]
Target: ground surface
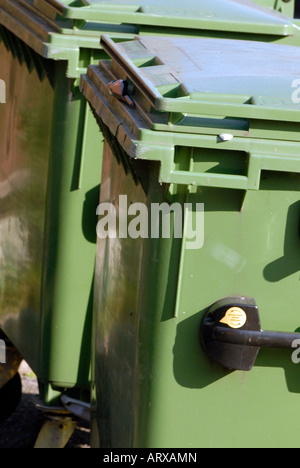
[23, 426]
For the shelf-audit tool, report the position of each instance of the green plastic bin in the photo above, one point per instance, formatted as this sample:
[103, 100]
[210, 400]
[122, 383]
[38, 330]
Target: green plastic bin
[210, 140]
[49, 173]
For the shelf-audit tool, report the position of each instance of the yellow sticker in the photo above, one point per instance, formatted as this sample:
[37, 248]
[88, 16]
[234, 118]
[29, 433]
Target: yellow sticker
[235, 318]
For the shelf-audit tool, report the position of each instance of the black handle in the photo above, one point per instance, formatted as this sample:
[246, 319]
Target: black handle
[232, 335]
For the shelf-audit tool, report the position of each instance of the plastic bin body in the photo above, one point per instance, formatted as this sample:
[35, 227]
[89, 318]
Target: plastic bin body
[155, 385]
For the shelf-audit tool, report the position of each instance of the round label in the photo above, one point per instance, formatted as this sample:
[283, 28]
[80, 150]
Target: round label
[235, 318]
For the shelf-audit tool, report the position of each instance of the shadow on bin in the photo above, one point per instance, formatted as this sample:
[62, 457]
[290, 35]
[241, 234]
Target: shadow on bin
[288, 264]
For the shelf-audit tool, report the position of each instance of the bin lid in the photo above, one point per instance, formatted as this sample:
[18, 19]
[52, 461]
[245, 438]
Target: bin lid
[241, 16]
[202, 85]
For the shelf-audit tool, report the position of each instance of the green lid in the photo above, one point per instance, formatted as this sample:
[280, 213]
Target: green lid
[71, 30]
[218, 15]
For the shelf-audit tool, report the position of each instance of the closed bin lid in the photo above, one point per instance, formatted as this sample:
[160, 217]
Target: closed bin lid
[210, 93]
[195, 85]
[41, 27]
[241, 16]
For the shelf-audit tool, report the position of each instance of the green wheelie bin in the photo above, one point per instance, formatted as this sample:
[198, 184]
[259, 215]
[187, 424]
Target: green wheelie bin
[197, 244]
[49, 175]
